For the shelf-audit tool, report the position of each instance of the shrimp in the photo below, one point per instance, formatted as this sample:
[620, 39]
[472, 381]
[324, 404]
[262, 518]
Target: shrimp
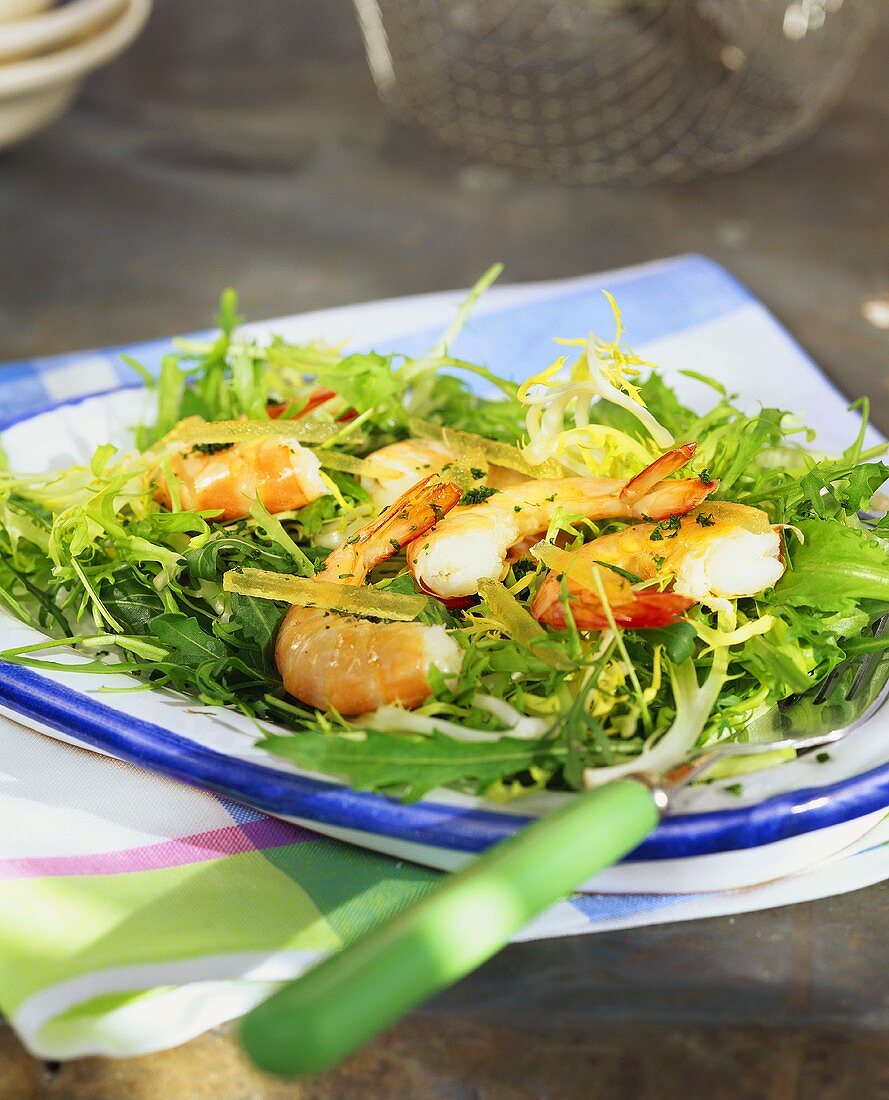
[417, 458]
[227, 478]
[353, 665]
[474, 542]
[715, 554]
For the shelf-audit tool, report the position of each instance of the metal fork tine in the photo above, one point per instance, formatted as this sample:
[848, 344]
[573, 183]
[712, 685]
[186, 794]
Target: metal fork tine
[829, 684]
[867, 665]
[869, 691]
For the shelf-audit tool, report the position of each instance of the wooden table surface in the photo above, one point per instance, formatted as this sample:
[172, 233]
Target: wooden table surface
[243, 144]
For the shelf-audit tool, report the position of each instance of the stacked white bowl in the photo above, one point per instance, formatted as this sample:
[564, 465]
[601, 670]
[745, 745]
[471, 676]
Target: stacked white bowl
[46, 50]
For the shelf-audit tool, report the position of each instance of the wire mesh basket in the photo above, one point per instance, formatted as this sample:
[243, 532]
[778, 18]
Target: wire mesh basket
[590, 91]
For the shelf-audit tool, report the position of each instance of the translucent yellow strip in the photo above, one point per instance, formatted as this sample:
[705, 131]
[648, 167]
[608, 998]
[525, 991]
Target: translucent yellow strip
[498, 454]
[460, 471]
[572, 565]
[199, 432]
[312, 592]
[360, 467]
[519, 624]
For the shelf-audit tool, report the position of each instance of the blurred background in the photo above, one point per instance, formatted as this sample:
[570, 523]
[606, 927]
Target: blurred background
[248, 145]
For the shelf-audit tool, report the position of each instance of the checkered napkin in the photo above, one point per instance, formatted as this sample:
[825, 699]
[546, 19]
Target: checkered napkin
[136, 912]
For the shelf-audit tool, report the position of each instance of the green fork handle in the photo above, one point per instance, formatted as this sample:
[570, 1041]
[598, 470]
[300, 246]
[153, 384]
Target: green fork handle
[316, 1021]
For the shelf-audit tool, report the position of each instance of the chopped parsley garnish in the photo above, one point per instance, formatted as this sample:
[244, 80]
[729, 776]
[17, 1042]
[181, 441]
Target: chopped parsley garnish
[666, 529]
[705, 521]
[210, 448]
[523, 567]
[478, 495]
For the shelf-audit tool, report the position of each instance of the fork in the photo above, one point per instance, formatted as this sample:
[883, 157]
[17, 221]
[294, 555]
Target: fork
[316, 1021]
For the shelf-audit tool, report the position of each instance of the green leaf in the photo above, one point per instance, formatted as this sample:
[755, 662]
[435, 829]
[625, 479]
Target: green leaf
[705, 380]
[171, 384]
[834, 567]
[203, 561]
[365, 381]
[863, 482]
[678, 640]
[413, 765]
[275, 532]
[745, 444]
[811, 485]
[148, 379]
[312, 517]
[258, 620]
[189, 644]
[228, 319]
[132, 603]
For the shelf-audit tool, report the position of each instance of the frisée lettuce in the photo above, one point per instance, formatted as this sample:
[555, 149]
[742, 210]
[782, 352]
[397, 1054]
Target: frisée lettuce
[89, 558]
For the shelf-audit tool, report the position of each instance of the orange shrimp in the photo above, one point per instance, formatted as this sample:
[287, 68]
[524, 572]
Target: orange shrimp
[227, 478]
[411, 459]
[353, 665]
[474, 542]
[720, 552]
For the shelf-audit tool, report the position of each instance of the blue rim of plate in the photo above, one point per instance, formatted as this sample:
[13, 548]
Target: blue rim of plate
[27, 694]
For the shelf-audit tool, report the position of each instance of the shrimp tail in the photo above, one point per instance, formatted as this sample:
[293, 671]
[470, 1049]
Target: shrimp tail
[635, 611]
[649, 494]
[411, 516]
[668, 463]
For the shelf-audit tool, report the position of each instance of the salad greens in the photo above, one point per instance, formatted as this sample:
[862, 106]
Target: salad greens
[91, 560]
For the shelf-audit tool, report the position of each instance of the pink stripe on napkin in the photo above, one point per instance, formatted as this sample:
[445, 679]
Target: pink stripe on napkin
[199, 848]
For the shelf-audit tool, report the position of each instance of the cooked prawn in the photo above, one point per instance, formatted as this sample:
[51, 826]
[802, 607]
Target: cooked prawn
[353, 665]
[412, 459]
[228, 478]
[718, 553]
[473, 543]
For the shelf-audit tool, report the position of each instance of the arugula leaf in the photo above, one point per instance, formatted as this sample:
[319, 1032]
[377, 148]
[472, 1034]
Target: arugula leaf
[188, 642]
[258, 621]
[378, 761]
[203, 563]
[678, 640]
[132, 603]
